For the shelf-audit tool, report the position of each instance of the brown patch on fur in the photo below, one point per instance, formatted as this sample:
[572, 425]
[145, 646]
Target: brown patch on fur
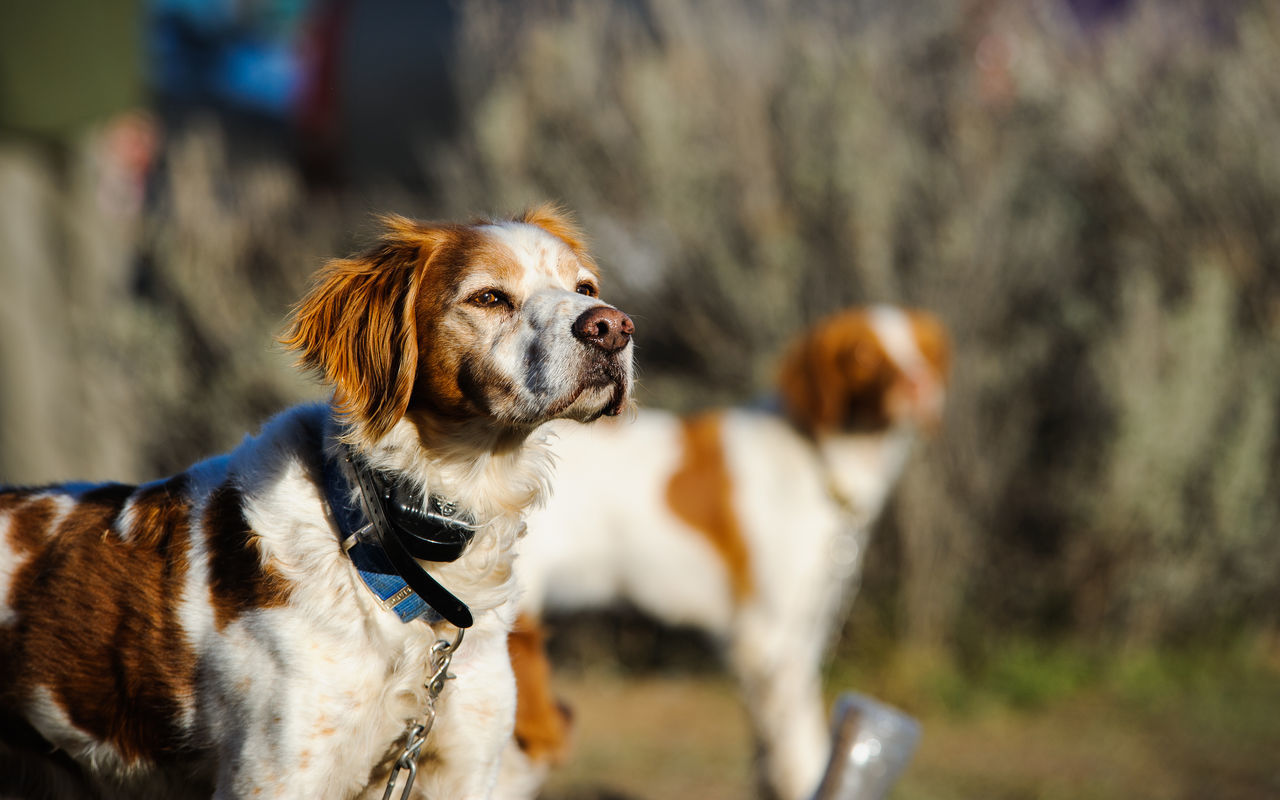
[12, 498]
[542, 722]
[700, 492]
[440, 388]
[560, 224]
[837, 376]
[495, 259]
[29, 520]
[239, 581]
[98, 626]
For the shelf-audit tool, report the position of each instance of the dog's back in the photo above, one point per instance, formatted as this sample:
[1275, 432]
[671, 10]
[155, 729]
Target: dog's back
[104, 591]
[157, 639]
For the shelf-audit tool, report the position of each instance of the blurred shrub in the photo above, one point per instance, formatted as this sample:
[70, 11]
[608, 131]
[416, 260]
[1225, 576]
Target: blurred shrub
[1091, 211]
[135, 345]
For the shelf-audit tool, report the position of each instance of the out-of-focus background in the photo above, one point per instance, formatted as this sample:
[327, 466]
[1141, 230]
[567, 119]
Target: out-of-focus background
[1077, 587]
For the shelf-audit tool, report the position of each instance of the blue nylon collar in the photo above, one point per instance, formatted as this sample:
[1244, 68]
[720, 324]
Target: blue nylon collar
[347, 492]
[366, 554]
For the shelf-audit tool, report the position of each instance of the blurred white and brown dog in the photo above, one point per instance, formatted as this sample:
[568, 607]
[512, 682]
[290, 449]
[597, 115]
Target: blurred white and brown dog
[749, 525]
[226, 632]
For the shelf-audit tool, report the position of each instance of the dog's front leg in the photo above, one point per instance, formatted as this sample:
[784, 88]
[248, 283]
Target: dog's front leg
[475, 718]
[776, 659]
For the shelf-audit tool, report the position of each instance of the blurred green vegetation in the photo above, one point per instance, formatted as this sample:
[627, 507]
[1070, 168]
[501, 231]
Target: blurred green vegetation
[1027, 675]
[64, 63]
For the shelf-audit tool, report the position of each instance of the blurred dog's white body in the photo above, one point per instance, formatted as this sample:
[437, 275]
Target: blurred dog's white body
[746, 524]
[643, 551]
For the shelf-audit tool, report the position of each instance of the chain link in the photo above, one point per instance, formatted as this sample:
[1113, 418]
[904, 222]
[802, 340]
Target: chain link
[415, 734]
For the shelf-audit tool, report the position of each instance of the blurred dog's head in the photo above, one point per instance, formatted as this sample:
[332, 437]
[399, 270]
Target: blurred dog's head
[499, 321]
[866, 370]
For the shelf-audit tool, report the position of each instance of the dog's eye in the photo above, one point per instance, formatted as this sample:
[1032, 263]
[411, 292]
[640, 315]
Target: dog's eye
[489, 298]
[588, 289]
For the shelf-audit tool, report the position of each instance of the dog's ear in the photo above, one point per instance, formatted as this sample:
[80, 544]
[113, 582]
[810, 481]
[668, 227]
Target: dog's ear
[809, 383]
[835, 376]
[357, 326]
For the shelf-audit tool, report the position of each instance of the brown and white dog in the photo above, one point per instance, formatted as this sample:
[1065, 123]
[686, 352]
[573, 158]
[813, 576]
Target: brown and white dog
[207, 635]
[747, 524]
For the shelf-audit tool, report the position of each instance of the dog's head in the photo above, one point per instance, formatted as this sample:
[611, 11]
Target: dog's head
[866, 370]
[494, 321]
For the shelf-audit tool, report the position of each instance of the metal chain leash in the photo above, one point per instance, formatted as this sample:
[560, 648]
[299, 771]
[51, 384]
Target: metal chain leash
[415, 734]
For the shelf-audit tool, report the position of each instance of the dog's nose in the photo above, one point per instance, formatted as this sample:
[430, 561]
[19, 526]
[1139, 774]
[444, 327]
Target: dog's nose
[606, 328]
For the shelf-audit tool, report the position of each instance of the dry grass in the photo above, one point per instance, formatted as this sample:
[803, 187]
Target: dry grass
[655, 737]
[1213, 735]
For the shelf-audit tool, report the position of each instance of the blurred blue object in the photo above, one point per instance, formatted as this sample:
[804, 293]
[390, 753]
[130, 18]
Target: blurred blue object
[259, 75]
[241, 56]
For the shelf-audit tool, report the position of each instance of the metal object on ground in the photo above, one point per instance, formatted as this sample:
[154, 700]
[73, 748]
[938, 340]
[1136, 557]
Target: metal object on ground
[871, 744]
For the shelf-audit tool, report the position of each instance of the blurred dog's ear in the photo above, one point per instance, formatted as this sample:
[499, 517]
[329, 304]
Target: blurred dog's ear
[811, 390]
[357, 326]
[837, 376]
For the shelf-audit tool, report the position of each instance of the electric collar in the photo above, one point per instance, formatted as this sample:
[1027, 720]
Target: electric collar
[385, 526]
